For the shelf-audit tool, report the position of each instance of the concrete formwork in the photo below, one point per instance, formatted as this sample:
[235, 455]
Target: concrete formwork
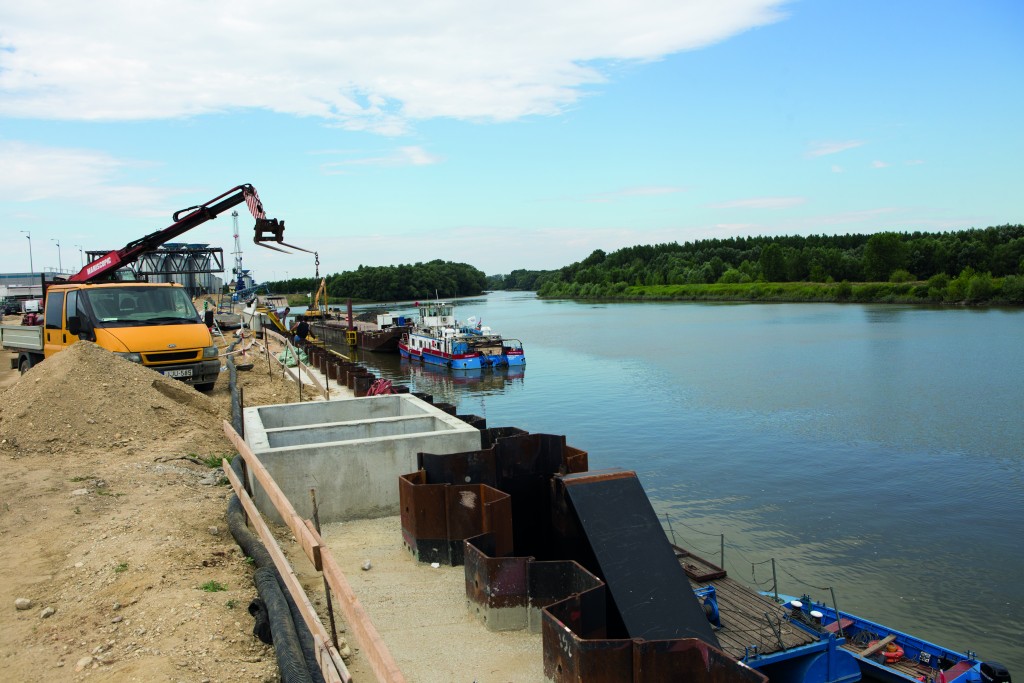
[352, 451]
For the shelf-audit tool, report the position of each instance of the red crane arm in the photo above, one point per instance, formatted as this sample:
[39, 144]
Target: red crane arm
[267, 230]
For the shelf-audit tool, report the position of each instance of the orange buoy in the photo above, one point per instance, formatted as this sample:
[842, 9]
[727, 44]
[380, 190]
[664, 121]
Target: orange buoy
[893, 653]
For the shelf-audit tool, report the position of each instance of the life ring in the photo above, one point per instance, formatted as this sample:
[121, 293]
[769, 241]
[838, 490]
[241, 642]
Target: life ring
[893, 653]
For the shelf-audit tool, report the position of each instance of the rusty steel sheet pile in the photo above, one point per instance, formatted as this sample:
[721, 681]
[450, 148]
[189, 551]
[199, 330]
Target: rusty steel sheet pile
[575, 650]
[578, 556]
[508, 592]
[520, 464]
[437, 518]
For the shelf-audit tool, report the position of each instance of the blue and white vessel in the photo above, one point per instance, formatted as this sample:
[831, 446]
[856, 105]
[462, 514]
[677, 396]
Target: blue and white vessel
[885, 654]
[438, 339]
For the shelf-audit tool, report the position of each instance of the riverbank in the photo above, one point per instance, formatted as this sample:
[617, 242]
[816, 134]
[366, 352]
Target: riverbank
[974, 290]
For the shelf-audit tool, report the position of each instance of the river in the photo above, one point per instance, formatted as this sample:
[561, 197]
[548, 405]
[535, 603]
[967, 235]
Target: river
[874, 449]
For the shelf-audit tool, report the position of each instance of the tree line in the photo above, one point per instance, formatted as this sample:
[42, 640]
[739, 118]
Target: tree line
[928, 263]
[394, 283]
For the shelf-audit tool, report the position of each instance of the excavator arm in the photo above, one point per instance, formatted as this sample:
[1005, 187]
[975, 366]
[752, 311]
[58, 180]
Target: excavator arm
[266, 230]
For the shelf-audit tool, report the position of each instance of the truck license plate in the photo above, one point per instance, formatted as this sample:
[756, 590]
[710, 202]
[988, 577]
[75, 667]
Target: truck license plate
[183, 372]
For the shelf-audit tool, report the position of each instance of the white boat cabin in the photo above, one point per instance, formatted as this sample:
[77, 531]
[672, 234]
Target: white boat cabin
[437, 315]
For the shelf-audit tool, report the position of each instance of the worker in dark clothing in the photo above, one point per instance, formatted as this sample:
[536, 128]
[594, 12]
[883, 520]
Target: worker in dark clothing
[301, 330]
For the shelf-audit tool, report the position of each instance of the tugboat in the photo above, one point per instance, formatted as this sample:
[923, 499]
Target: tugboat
[437, 339]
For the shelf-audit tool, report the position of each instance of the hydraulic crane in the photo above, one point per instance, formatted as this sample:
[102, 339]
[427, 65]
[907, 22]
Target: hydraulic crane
[266, 230]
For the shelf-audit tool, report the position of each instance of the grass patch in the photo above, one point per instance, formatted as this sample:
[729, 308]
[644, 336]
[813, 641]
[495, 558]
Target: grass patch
[211, 461]
[123, 567]
[231, 604]
[213, 587]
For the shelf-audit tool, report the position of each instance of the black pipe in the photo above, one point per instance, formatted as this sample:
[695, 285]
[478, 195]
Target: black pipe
[290, 662]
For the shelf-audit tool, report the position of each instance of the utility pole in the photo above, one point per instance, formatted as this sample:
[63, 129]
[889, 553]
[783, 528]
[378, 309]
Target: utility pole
[28, 234]
[81, 256]
[60, 266]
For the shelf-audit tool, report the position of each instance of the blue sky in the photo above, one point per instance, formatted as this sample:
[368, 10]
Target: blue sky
[504, 135]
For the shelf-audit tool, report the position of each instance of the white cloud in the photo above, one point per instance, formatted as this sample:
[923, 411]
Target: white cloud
[761, 203]
[879, 164]
[31, 173]
[836, 168]
[820, 149]
[366, 66]
[402, 156]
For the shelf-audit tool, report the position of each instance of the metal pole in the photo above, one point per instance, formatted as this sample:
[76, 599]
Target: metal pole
[671, 530]
[31, 267]
[60, 266]
[839, 619]
[721, 552]
[775, 581]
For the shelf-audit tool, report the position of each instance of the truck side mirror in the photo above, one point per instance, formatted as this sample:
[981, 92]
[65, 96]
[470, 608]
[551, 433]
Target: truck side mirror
[74, 325]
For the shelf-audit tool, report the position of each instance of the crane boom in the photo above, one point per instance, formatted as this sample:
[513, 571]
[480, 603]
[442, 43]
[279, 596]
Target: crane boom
[266, 230]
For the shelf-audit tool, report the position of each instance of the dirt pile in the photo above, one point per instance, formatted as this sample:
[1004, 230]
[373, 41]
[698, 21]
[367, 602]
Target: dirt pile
[87, 397]
[116, 563]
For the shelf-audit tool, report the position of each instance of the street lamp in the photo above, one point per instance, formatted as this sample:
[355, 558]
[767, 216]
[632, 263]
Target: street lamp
[81, 256]
[60, 266]
[28, 234]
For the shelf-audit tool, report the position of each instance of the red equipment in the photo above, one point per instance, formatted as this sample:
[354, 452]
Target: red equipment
[266, 229]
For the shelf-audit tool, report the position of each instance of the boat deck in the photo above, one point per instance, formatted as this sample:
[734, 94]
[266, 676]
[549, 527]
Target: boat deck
[748, 618]
[910, 667]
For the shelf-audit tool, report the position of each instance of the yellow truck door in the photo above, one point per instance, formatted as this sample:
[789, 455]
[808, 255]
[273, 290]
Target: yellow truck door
[55, 333]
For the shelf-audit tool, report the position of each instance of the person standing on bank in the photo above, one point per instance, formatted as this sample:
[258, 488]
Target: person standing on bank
[301, 330]
[282, 315]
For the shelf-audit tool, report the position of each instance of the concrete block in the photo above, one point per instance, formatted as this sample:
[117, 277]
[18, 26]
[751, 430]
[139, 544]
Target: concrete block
[352, 451]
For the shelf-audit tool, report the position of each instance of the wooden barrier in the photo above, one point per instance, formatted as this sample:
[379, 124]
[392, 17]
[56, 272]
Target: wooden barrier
[331, 664]
[373, 646]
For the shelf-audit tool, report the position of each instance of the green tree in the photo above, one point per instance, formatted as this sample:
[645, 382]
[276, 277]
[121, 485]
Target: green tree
[773, 263]
[883, 253]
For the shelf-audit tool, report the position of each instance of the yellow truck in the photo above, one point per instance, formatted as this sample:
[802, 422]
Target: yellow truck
[154, 324]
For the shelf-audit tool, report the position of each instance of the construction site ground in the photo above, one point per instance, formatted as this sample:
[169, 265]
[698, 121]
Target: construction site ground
[116, 563]
[112, 524]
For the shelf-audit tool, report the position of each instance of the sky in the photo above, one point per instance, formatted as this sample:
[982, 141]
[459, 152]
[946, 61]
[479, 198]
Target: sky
[503, 135]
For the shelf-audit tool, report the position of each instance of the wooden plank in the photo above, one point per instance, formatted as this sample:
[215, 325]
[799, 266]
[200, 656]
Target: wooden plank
[280, 501]
[872, 649]
[327, 655]
[312, 378]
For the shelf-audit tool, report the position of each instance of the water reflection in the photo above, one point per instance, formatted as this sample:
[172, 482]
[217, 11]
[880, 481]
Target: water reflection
[480, 380]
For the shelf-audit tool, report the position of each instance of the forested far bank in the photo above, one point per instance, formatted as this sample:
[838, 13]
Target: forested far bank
[976, 266]
[404, 282]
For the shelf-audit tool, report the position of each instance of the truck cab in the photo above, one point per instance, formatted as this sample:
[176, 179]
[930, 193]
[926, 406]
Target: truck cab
[154, 324]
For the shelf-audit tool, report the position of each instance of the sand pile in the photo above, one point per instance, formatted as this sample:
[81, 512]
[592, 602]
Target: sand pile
[86, 396]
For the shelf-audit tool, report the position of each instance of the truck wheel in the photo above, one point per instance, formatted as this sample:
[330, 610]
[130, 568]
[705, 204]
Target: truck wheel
[24, 365]
[205, 388]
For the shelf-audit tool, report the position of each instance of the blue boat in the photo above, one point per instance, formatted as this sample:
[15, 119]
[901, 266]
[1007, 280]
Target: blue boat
[885, 654]
[437, 339]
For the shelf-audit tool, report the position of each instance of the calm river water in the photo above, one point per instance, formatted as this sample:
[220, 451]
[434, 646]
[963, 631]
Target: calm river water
[876, 449]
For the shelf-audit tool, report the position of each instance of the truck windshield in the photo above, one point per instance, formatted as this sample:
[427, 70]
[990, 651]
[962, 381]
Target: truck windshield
[138, 305]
